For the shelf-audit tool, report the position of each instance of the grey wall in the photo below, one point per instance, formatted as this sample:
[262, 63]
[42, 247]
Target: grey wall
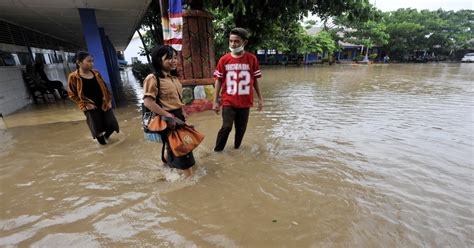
[13, 93]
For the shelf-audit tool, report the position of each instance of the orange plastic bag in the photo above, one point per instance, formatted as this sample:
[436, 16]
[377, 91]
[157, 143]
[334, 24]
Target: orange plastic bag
[153, 123]
[157, 124]
[184, 139]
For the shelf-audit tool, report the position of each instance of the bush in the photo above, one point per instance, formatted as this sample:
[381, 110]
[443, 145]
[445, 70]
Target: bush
[140, 71]
[373, 56]
[359, 58]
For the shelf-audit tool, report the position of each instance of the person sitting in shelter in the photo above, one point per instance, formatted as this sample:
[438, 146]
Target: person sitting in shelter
[50, 84]
[33, 80]
[35, 85]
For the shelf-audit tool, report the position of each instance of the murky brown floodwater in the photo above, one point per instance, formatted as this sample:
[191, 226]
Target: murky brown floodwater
[342, 156]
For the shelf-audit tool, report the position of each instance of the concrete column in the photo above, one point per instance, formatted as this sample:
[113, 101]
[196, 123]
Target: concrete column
[95, 44]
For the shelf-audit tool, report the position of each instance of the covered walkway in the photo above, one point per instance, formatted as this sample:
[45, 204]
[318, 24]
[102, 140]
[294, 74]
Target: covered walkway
[52, 31]
[67, 111]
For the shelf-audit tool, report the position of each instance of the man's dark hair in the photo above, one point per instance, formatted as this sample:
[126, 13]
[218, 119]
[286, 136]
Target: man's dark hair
[241, 32]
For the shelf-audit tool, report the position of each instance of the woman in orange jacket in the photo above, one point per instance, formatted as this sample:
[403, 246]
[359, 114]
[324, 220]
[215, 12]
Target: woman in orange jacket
[87, 89]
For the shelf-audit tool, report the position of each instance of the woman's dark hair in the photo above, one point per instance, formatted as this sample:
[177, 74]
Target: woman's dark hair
[80, 56]
[157, 53]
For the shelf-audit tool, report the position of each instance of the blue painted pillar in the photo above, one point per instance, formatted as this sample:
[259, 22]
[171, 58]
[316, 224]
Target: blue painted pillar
[114, 58]
[114, 72]
[106, 48]
[108, 60]
[111, 60]
[94, 44]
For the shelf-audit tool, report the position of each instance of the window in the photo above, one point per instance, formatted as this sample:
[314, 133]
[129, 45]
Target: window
[50, 59]
[24, 58]
[40, 58]
[6, 59]
[70, 59]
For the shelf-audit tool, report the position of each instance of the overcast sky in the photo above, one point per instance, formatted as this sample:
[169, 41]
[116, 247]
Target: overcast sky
[389, 5]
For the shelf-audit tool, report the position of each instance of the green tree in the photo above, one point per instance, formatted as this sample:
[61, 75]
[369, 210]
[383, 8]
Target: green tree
[368, 33]
[222, 22]
[404, 37]
[260, 17]
[153, 31]
[328, 44]
[321, 42]
[299, 41]
[444, 32]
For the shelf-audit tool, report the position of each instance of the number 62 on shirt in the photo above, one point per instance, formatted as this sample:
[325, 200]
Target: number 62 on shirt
[238, 83]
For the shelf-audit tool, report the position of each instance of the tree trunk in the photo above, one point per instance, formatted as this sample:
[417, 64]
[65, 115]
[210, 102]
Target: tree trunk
[153, 34]
[366, 57]
[144, 47]
[159, 34]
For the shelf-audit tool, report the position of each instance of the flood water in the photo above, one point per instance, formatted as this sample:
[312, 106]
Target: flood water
[341, 156]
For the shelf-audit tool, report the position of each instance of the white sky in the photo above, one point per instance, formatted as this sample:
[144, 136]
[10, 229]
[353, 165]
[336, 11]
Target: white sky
[389, 5]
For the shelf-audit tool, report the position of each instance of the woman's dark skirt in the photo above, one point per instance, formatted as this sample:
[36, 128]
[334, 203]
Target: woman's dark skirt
[101, 122]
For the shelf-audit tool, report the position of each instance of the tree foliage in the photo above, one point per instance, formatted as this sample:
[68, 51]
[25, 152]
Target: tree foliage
[321, 42]
[277, 25]
[263, 17]
[368, 33]
[222, 23]
[151, 24]
[404, 31]
[445, 33]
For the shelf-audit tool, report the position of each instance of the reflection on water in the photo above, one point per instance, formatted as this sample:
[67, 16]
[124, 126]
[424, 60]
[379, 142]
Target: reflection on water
[345, 155]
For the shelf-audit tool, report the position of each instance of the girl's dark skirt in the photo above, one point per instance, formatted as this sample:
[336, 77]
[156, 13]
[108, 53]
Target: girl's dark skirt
[100, 122]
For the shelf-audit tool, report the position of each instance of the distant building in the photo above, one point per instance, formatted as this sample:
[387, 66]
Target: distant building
[349, 51]
[132, 52]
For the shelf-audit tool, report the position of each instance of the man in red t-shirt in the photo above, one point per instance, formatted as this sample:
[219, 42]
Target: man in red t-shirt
[236, 75]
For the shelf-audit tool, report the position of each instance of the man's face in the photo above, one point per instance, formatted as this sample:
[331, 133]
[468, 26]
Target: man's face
[235, 41]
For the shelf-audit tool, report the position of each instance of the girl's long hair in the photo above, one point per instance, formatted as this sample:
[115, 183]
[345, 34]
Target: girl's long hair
[157, 53]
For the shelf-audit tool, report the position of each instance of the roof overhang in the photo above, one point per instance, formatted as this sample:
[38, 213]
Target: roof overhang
[60, 18]
[348, 45]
